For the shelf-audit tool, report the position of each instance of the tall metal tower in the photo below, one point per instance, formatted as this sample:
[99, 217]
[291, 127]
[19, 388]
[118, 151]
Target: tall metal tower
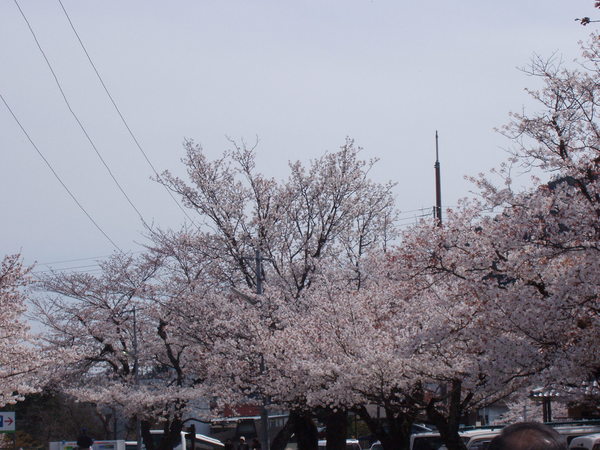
[437, 209]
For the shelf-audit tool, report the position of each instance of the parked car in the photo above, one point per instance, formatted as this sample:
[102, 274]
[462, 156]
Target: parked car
[572, 430]
[370, 441]
[480, 438]
[588, 442]
[351, 444]
[426, 441]
[474, 439]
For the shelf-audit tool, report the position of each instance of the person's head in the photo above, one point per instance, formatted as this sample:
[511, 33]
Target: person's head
[528, 436]
[242, 439]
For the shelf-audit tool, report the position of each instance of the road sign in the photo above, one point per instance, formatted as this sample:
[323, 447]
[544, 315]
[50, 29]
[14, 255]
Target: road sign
[7, 422]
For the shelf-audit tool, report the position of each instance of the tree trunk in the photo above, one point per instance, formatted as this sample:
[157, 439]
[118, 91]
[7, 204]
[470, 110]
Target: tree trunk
[170, 438]
[283, 436]
[172, 434]
[146, 436]
[337, 429]
[397, 435]
[400, 429]
[301, 425]
[306, 432]
[448, 424]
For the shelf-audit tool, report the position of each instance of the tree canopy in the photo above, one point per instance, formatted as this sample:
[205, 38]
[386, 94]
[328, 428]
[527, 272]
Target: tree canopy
[304, 294]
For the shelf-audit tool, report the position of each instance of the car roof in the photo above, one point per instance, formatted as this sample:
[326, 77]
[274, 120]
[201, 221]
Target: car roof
[475, 432]
[577, 428]
[581, 440]
[427, 434]
[590, 430]
[481, 432]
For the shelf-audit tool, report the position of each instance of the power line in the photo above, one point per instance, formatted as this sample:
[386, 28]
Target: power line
[49, 263]
[75, 115]
[71, 260]
[58, 177]
[415, 210]
[112, 100]
[40, 274]
[404, 219]
[64, 269]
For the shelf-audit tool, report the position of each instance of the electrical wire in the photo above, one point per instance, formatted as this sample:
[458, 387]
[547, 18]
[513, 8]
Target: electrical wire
[57, 176]
[71, 260]
[117, 109]
[49, 263]
[64, 269]
[75, 115]
[404, 219]
[415, 210]
[40, 275]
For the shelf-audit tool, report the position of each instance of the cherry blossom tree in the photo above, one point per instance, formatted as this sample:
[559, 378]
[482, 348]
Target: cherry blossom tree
[124, 341]
[350, 348]
[328, 210]
[512, 297]
[501, 298]
[326, 213]
[199, 327]
[463, 354]
[555, 242]
[19, 363]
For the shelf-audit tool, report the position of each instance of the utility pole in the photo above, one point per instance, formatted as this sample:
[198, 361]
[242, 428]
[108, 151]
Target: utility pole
[437, 215]
[136, 375]
[264, 414]
[258, 271]
[437, 209]
[192, 433]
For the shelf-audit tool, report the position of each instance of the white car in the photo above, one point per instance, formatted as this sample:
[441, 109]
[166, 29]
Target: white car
[588, 442]
[476, 439]
[573, 431]
[480, 438]
[351, 444]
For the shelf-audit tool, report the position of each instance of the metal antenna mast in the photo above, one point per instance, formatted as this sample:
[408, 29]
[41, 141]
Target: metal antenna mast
[437, 210]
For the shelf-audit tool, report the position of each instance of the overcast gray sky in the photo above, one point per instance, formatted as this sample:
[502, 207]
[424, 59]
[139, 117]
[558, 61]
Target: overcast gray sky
[300, 75]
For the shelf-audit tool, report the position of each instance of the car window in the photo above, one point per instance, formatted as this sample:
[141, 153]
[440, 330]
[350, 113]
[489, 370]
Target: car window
[480, 445]
[427, 443]
[348, 447]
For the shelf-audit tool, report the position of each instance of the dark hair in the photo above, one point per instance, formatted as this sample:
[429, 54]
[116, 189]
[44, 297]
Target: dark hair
[528, 436]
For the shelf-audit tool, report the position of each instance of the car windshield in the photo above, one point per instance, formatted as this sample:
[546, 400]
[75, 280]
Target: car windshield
[480, 445]
[427, 443]
[349, 446]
